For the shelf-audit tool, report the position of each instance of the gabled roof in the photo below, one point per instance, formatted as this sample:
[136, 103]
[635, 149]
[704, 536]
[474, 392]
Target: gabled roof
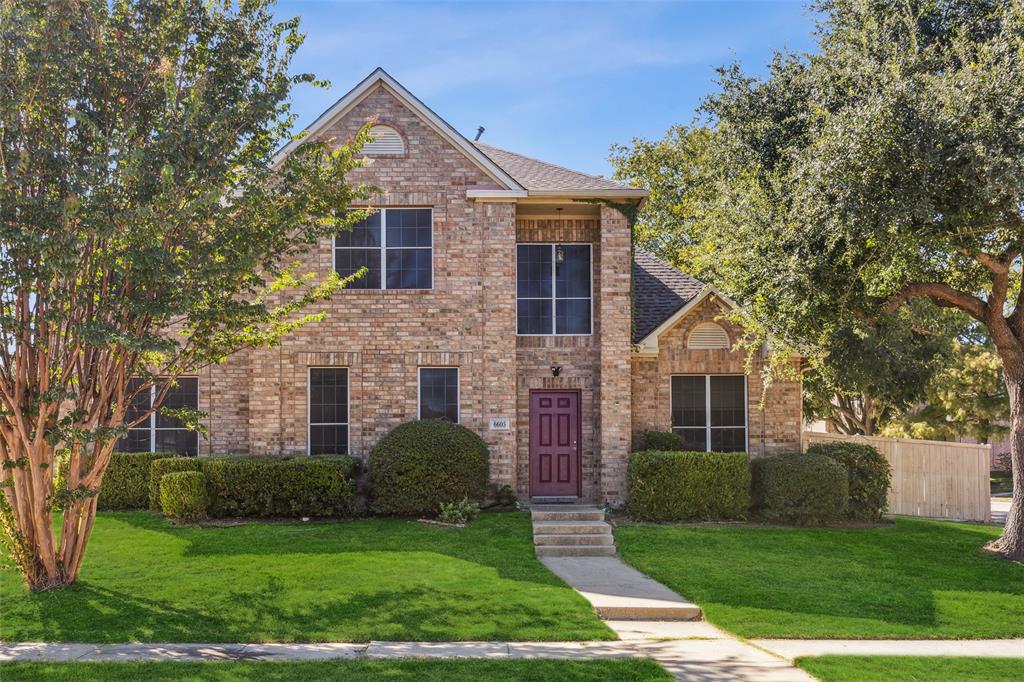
[540, 176]
[660, 290]
[381, 78]
[514, 175]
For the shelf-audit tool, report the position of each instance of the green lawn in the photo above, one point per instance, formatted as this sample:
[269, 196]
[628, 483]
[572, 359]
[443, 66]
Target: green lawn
[409, 670]
[913, 579]
[147, 580]
[912, 669]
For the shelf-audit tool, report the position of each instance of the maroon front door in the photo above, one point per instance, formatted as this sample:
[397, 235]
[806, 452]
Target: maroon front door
[554, 444]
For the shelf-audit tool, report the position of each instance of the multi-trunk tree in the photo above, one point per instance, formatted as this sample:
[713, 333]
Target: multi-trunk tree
[887, 166]
[145, 231]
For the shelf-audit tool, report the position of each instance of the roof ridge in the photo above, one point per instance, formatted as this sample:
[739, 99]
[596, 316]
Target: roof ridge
[546, 163]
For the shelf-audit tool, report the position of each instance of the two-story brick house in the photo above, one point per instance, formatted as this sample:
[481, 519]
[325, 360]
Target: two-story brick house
[500, 293]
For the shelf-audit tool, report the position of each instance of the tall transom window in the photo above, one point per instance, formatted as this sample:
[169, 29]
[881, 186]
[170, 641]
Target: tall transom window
[394, 244]
[553, 289]
[710, 412]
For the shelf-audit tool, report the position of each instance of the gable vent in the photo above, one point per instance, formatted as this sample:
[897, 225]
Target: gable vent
[708, 335]
[386, 140]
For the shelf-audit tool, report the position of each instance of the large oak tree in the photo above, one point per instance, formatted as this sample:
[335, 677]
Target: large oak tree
[145, 230]
[884, 168]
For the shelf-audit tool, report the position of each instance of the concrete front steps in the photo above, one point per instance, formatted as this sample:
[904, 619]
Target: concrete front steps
[571, 530]
[576, 543]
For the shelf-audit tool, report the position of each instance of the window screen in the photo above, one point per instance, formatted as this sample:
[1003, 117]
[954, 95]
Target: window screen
[439, 393]
[159, 432]
[328, 411]
[553, 289]
[395, 245]
[709, 412]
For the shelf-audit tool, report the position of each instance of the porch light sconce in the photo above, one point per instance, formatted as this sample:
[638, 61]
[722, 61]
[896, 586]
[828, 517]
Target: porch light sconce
[556, 370]
[559, 254]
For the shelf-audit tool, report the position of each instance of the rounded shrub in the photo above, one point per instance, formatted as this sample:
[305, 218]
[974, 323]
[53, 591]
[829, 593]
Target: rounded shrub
[183, 495]
[665, 441]
[801, 489]
[676, 486]
[869, 476]
[421, 464]
[166, 465]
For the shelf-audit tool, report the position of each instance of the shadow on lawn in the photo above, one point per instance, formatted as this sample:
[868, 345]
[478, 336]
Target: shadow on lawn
[502, 541]
[896, 574]
[257, 615]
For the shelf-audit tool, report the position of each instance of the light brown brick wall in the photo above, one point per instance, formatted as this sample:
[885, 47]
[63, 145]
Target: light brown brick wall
[775, 428]
[258, 401]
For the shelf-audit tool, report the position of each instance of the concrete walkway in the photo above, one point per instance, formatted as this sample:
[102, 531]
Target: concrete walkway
[618, 591]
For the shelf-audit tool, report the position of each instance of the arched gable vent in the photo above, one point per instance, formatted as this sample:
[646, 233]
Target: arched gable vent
[708, 335]
[386, 140]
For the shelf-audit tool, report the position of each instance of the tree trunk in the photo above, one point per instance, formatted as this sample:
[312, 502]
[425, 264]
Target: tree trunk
[45, 562]
[1011, 543]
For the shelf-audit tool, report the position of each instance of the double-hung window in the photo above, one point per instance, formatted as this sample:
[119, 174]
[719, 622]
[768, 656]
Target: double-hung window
[395, 245]
[439, 393]
[328, 410]
[159, 432]
[553, 289]
[710, 412]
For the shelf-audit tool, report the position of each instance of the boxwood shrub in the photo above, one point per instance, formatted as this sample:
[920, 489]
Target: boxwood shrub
[126, 481]
[868, 473]
[159, 467]
[801, 489]
[421, 464]
[665, 441]
[281, 486]
[269, 486]
[183, 495]
[675, 486]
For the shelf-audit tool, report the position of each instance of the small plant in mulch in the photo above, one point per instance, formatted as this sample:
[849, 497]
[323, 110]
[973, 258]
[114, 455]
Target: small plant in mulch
[455, 514]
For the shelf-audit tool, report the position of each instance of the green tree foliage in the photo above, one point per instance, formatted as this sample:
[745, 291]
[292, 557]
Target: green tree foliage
[146, 229]
[967, 398]
[886, 167]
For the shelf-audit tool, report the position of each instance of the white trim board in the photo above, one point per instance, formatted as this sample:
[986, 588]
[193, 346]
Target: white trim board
[381, 78]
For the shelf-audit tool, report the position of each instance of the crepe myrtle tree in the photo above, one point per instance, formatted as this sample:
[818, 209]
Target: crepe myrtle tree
[147, 231]
[887, 166]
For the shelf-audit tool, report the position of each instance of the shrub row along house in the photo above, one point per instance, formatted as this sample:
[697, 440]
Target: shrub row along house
[501, 293]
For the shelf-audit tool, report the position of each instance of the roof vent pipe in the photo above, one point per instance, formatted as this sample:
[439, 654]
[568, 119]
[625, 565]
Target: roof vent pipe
[479, 132]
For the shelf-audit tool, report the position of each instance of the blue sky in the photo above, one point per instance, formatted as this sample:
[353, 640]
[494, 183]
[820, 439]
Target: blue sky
[558, 81]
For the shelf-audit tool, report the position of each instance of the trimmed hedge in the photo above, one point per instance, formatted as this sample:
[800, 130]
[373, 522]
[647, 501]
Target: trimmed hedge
[421, 464]
[801, 489]
[270, 486]
[276, 486]
[159, 467]
[676, 486]
[666, 441]
[869, 476]
[183, 495]
[126, 481]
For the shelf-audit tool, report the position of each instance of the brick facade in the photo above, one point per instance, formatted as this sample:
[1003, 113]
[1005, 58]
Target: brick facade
[257, 401]
[774, 423]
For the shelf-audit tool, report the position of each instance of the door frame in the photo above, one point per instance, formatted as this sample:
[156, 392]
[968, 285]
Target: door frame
[579, 437]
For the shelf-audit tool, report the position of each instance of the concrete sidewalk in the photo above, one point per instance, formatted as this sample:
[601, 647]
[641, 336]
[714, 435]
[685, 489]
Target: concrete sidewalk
[974, 648]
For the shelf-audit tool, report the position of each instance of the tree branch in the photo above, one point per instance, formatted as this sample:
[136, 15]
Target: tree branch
[942, 294]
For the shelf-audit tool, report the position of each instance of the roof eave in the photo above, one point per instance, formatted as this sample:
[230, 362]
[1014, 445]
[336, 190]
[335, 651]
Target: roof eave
[507, 195]
[648, 345]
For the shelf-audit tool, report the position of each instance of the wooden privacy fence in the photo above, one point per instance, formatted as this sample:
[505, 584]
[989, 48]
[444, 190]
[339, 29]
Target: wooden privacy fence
[937, 479]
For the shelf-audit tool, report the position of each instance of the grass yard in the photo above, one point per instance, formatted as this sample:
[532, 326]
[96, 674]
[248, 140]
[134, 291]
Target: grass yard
[914, 579]
[146, 580]
[409, 670]
[912, 669]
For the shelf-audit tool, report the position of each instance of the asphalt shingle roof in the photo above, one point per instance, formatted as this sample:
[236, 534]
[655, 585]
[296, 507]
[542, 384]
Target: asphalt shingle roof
[537, 175]
[660, 290]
